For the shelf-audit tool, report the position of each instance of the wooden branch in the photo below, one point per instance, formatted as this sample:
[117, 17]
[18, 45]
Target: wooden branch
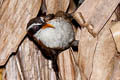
[14, 16]
[96, 13]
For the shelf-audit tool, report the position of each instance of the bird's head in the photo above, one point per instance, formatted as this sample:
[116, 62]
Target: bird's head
[36, 24]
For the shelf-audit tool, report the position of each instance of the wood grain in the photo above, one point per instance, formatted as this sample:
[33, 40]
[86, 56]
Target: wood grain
[103, 60]
[32, 64]
[14, 16]
[72, 7]
[97, 12]
[35, 66]
[115, 29]
[116, 72]
[57, 5]
[96, 58]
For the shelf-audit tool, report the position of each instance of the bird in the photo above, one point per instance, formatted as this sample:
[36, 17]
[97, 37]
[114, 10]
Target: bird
[54, 33]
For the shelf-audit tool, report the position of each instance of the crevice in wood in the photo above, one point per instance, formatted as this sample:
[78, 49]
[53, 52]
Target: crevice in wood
[93, 58]
[19, 66]
[78, 2]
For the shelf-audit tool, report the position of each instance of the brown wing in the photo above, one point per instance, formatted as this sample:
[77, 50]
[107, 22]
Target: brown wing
[49, 17]
[64, 15]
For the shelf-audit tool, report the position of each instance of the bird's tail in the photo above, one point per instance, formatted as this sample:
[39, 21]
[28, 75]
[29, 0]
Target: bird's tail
[55, 66]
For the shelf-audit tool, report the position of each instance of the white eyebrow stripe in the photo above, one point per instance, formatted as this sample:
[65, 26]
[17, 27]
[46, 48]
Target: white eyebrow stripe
[33, 25]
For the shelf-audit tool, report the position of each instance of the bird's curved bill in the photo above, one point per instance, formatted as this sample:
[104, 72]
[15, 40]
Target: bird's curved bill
[47, 26]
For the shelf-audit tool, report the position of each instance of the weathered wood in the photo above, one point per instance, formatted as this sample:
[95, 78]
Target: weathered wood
[32, 64]
[66, 66]
[95, 58]
[103, 59]
[14, 16]
[35, 66]
[96, 54]
[117, 11]
[116, 72]
[11, 72]
[96, 13]
[115, 29]
[57, 5]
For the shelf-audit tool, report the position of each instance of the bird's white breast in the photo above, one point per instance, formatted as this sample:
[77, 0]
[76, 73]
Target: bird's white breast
[59, 37]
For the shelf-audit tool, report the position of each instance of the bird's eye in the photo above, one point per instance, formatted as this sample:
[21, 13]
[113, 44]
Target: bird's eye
[33, 29]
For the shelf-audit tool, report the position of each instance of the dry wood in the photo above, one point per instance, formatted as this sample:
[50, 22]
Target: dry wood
[96, 13]
[14, 16]
[103, 60]
[86, 50]
[57, 5]
[116, 73]
[97, 54]
[11, 71]
[72, 7]
[66, 66]
[115, 29]
[33, 65]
